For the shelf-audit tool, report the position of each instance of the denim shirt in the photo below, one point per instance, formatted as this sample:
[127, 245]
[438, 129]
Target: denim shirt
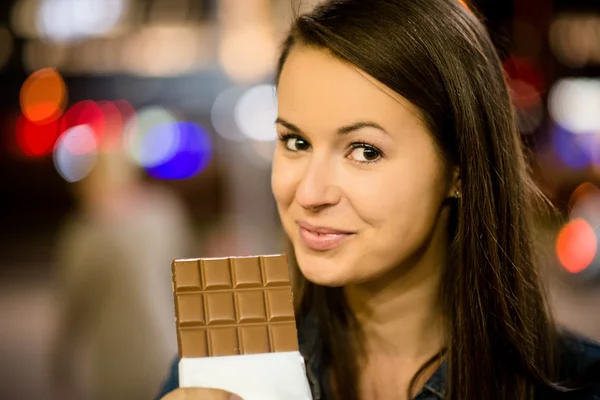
[579, 354]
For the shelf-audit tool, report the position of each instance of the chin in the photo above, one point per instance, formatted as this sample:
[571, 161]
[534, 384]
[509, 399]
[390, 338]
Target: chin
[323, 271]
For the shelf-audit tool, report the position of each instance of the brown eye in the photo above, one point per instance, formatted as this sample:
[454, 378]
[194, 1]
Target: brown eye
[365, 153]
[296, 144]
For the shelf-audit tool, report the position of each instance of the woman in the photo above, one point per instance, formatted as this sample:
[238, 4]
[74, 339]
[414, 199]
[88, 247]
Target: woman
[401, 183]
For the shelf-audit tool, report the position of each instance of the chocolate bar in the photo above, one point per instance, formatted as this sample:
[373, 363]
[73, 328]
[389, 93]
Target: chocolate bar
[236, 329]
[234, 306]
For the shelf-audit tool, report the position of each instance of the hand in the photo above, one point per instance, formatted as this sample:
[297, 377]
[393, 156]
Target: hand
[200, 394]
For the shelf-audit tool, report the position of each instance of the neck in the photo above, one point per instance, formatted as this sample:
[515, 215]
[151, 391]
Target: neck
[399, 313]
[401, 328]
[400, 318]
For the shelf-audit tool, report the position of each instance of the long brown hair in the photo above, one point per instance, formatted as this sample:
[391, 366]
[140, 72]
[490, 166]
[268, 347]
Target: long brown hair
[500, 339]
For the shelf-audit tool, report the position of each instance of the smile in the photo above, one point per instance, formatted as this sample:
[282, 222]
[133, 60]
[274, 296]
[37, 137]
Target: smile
[322, 238]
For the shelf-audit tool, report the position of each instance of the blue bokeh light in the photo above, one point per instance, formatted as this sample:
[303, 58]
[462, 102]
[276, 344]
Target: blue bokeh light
[574, 150]
[192, 155]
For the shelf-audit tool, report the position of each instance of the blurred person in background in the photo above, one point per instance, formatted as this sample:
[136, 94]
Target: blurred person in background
[401, 183]
[116, 329]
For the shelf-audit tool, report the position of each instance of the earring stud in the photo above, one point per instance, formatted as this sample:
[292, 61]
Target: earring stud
[457, 193]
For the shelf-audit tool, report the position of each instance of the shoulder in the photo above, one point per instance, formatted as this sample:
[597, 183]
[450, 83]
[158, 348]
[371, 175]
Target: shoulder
[581, 363]
[578, 353]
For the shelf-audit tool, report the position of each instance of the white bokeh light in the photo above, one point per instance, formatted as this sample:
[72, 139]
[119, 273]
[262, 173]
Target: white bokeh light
[222, 114]
[575, 105]
[256, 111]
[75, 153]
[69, 20]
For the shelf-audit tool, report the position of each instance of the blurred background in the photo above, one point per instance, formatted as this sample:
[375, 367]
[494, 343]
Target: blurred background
[187, 86]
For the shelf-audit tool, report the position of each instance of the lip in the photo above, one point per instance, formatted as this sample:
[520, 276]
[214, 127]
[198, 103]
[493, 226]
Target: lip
[322, 238]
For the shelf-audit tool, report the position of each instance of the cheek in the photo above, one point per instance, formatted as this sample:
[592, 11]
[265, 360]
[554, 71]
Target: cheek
[398, 199]
[283, 182]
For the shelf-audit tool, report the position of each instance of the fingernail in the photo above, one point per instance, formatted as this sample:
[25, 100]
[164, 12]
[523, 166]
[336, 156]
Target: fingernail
[235, 397]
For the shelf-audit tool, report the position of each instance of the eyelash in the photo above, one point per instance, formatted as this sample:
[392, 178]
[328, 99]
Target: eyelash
[283, 138]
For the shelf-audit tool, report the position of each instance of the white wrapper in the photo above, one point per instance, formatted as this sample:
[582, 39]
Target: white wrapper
[269, 376]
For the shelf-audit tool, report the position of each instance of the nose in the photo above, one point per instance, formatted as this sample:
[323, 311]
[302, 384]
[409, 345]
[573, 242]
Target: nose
[317, 188]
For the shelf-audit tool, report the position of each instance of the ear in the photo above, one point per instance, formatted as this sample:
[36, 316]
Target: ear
[455, 190]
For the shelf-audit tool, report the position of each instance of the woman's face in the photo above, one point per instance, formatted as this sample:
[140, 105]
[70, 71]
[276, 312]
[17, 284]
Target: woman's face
[358, 181]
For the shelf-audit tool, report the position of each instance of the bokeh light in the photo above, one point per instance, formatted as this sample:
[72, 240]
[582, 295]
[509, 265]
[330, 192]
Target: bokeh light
[43, 96]
[164, 50]
[522, 70]
[222, 114]
[575, 39]
[575, 151]
[530, 117]
[582, 191]
[526, 83]
[160, 144]
[128, 119]
[87, 113]
[576, 245]
[36, 139]
[76, 153]
[248, 54]
[585, 203]
[68, 20]
[113, 127]
[136, 130]
[125, 109]
[256, 111]
[192, 155]
[574, 103]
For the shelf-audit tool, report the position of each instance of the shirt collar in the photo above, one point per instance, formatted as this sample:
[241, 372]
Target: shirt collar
[436, 385]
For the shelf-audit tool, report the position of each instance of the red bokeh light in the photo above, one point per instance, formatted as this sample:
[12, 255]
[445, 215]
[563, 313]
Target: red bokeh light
[522, 69]
[526, 81]
[127, 111]
[34, 139]
[79, 140]
[576, 245]
[85, 112]
[113, 126]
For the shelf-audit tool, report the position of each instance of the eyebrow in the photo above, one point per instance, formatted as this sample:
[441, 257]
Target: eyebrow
[344, 130]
